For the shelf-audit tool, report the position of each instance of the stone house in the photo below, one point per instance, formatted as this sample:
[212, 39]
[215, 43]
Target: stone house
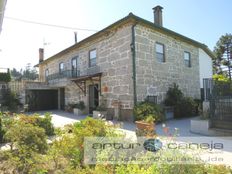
[123, 64]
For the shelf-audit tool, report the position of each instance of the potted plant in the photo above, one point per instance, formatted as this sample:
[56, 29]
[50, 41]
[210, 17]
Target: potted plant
[79, 108]
[147, 123]
[100, 112]
[146, 114]
[70, 107]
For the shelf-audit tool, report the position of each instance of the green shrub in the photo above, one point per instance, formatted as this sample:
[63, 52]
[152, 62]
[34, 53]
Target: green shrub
[80, 105]
[46, 123]
[27, 142]
[27, 136]
[174, 95]
[2, 132]
[67, 152]
[11, 101]
[90, 127]
[183, 106]
[145, 109]
[6, 122]
[43, 122]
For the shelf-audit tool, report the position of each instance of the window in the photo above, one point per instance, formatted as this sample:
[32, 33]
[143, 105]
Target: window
[92, 58]
[61, 67]
[160, 52]
[46, 73]
[152, 99]
[74, 64]
[187, 59]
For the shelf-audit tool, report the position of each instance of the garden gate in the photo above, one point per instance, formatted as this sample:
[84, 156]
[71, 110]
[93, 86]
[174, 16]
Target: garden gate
[219, 95]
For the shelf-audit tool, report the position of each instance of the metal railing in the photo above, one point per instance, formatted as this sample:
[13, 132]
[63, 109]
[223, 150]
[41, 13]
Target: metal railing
[73, 73]
[93, 70]
[215, 89]
[221, 108]
[219, 95]
[64, 74]
[208, 88]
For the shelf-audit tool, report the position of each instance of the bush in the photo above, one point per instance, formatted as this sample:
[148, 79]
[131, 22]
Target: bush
[43, 122]
[2, 132]
[145, 109]
[68, 153]
[80, 105]
[174, 95]
[46, 123]
[65, 155]
[27, 143]
[11, 101]
[6, 122]
[183, 106]
[28, 136]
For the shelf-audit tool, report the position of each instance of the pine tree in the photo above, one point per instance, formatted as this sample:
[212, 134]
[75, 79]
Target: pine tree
[223, 51]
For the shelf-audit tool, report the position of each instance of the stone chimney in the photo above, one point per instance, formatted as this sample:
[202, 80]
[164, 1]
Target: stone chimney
[158, 19]
[41, 55]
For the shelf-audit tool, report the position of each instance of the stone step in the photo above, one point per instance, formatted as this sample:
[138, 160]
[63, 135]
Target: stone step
[222, 124]
[220, 132]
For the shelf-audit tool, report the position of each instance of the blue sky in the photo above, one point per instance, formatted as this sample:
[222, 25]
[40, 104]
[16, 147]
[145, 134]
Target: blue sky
[201, 20]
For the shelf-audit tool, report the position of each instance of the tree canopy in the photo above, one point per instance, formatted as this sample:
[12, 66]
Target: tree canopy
[28, 73]
[223, 51]
[5, 76]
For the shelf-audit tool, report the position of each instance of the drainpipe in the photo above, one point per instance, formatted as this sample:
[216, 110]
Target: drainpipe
[133, 53]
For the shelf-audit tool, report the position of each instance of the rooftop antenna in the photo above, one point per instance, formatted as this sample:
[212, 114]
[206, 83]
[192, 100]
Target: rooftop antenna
[45, 44]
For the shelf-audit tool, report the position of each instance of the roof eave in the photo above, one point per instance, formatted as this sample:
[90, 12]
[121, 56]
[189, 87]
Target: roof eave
[135, 19]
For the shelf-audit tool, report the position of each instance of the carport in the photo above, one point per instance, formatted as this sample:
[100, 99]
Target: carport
[42, 99]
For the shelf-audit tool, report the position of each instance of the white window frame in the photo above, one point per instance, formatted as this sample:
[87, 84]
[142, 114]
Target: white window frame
[160, 53]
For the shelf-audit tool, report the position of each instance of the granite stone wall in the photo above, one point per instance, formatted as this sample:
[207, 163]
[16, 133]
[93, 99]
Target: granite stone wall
[153, 77]
[115, 62]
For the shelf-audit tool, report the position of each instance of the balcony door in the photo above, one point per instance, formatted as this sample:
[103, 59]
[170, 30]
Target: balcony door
[75, 67]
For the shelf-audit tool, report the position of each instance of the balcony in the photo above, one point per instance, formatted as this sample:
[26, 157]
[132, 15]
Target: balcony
[62, 78]
[63, 74]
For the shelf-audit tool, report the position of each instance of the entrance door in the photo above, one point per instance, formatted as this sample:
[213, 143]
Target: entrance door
[93, 98]
[62, 98]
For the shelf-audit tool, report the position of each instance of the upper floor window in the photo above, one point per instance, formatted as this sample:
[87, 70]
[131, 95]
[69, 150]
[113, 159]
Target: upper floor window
[92, 58]
[46, 73]
[61, 67]
[75, 66]
[74, 63]
[160, 52]
[187, 59]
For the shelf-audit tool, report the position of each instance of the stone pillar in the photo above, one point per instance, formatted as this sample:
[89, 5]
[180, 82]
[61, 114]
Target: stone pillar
[117, 109]
[59, 99]
[206, 106]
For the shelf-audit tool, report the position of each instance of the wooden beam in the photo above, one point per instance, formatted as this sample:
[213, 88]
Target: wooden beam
[81, 88]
